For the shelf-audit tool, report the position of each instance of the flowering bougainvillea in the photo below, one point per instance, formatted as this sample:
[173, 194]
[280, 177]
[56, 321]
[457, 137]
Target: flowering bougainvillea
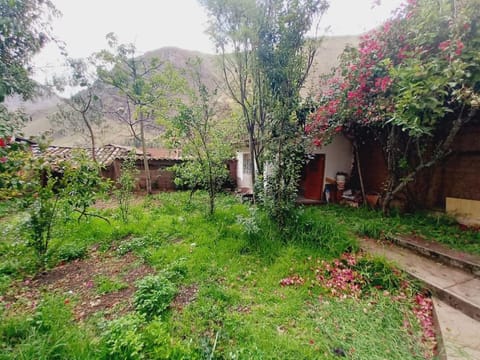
[414, 80]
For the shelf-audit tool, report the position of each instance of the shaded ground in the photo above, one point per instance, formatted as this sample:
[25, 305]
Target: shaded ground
[79, 282]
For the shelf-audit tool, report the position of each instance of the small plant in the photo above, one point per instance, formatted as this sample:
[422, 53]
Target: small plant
[126, 185]
[71, 252]
[132, 244]
[132, 337]
[154, 295]
[106, 285]
[370, 228]
[123, 339]
[42, 211]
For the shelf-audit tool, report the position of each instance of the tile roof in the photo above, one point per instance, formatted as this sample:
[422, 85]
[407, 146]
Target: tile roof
[106, 154]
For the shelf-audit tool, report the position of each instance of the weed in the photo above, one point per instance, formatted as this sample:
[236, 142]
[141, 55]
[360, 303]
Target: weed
[105, 285]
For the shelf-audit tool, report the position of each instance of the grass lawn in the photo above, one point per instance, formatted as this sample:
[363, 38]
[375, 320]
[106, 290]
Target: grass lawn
[437, 227]
[175, 284]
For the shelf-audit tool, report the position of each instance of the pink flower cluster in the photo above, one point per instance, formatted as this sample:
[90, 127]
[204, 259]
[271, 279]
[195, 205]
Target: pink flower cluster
[339, 278]
[457, 46]
[423, 310]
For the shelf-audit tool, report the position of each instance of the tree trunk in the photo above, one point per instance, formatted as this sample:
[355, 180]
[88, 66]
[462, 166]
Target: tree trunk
[92, 136]
[251, 148]
[441, 152]
[148, 180]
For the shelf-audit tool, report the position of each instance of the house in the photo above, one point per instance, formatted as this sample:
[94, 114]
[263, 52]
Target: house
[111, 157]
[321, 168]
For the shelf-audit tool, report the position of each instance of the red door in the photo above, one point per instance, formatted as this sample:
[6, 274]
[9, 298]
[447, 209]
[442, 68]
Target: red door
[312, 177]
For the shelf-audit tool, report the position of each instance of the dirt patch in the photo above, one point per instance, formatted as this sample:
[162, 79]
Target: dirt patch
[185, 296]
[76, 281]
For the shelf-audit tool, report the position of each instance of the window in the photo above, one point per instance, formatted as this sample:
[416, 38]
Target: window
[247, 164]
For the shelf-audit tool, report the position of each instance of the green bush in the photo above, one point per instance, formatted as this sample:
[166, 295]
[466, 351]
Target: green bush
[131, 337]
[71, 252]
[123, 339]
[154, 295]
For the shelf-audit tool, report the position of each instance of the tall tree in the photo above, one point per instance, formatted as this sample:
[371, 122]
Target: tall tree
[83, 110]
[266, 57]
[234, 28]
[204, 139]
[285, 56]
[149, 84]
[24, 30]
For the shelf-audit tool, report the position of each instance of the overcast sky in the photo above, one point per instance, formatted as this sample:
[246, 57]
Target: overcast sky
[152, 24]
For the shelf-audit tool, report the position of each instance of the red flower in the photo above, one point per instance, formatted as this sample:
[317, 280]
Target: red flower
[2, 142]
[460, 47]
[383, 83]
[444, 45]
[3, 160]
[317, 142]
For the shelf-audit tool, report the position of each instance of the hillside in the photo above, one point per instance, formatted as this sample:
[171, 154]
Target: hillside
[113, 131]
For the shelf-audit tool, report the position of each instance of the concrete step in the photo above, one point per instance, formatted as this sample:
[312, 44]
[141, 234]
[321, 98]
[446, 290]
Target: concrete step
[459, 334]
[439, 252]
[458, 288]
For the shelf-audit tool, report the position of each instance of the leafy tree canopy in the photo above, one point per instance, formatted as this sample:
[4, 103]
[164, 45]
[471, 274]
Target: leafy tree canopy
[413, 84]
[24, 30]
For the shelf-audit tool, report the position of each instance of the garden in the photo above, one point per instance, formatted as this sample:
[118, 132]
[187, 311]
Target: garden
[89, 269]
[171, 281]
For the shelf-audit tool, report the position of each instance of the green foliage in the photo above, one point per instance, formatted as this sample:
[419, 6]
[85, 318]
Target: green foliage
[154, 295]
[130, 337]
[203, 138]
[13, 156]
[123, 339]
[71, 252]
[105, 285]
[232, 303]
[381, 275]
[42, 212]
[24, 33]
[411, 85]
[49, 334]
[82, 184]
[125, 186]
[74, 190]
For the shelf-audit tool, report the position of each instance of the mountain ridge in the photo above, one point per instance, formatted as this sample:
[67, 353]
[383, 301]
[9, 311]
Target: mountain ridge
[41, 108]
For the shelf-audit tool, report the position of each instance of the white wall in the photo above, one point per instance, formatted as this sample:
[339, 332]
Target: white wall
[243, 180]
[338, 156]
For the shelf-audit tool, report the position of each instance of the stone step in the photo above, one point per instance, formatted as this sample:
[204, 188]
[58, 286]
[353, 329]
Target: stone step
[457, 334]
[458, 288]
[440, 253]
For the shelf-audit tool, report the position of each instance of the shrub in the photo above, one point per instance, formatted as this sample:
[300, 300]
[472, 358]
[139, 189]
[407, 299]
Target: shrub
[72, 252]
[131, 337]
[123, 339]
[154, 295]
